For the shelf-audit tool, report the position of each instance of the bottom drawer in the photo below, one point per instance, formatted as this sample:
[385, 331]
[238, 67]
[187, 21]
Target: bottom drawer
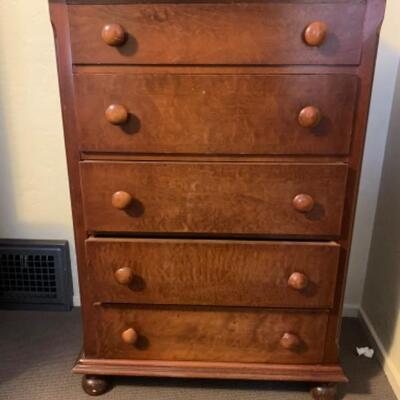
[199, 334]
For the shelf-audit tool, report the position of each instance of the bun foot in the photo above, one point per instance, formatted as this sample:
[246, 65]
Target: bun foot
[95, 385]
[324, 392]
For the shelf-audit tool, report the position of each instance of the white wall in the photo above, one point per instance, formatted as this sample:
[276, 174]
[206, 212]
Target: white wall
[34, 200]
[381, 300]
[378, 124]
[34, 197]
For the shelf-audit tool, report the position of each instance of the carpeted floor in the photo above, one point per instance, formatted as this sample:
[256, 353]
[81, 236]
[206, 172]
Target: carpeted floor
[37, 350]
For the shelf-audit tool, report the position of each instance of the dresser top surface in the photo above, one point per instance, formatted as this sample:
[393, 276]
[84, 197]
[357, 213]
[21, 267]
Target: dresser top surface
[115, 2]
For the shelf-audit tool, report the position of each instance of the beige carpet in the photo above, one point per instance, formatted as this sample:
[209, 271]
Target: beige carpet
[37, 350]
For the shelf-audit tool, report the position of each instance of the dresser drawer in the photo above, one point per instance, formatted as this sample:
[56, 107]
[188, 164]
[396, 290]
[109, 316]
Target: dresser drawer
[197, 334]
[253, 33]
[221, 198]
[205, 272]
[222, 114]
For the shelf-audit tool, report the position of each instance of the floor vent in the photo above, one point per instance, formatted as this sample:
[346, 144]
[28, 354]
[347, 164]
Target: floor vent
[35, 274]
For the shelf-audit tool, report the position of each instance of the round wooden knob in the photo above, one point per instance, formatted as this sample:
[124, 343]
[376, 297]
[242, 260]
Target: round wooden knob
[303, 203]
[124, 275]
[113, 34]
[298, 281]
[290, 341]
[121, 200]
[129, 336]
[309, 117]
[117, 114]
[315, 33]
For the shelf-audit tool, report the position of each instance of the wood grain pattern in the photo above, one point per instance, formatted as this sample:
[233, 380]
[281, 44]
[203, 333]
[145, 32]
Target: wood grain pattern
[315, 33]
[215, 370]
[214, 158]
[111, 2]
[252, 33]
[59, 21]
[230, 335]
[224, 198]
[220, 59]
[216, 114]
[113, 35]
[206, 272]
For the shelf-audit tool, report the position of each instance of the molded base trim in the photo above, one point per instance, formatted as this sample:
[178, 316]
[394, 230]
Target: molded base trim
[216, 370]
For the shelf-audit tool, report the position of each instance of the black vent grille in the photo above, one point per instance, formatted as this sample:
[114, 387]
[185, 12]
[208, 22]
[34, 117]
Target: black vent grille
[29, 276]
[35, 274]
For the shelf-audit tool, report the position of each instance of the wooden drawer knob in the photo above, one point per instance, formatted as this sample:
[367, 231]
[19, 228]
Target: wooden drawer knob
[309, 117]
[129, 336]
[124, 275]
[315, 33]
[290, 341]
[117, 114]
[298, 281]
[113, 35]
[121, 200]
[303, 203]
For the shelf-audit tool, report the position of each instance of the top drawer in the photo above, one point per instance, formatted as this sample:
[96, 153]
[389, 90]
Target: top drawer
[253, 33]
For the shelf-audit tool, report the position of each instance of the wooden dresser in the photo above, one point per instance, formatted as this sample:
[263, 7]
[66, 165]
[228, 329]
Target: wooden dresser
[214, 153]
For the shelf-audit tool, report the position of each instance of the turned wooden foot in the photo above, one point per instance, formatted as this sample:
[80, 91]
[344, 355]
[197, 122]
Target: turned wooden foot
[324, 392]
[95, 385]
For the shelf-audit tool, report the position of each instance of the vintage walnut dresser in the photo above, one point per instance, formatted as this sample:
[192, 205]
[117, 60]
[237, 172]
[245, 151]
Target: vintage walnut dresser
[214, 152]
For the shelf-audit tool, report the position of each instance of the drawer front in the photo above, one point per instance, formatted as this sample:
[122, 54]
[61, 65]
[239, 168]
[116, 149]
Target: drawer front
[223, 114]
[195, 334]
[252, 33]
[220, 198]
[205, 272]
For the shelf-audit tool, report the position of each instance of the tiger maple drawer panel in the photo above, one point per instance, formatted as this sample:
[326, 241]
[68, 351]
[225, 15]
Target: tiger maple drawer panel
[237, 33]
[196, 334]
[206, 272]
[221, 198]
[222, 114]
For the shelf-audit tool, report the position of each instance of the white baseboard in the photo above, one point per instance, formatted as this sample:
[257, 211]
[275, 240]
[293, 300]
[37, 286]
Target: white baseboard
[76, 300]
[351, 310]
[391, 370]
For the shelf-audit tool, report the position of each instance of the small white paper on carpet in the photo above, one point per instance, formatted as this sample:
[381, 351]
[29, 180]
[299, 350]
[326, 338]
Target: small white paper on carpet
[365, 351]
